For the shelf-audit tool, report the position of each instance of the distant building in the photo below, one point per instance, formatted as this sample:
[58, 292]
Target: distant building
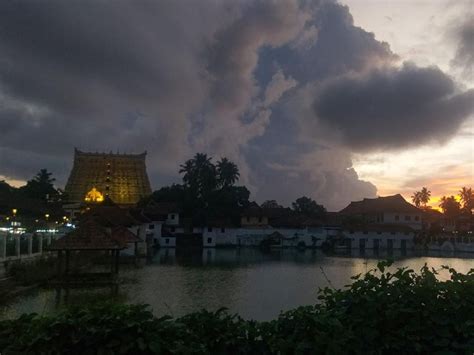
[95, 176]
[394, 210]
[380, 223]
[254, 217]
[165, 223]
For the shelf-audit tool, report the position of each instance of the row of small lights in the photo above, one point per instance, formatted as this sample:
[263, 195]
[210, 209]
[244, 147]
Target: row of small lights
[46, 216]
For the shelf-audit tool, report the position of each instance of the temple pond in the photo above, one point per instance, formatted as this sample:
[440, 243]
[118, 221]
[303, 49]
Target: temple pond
[247, 281]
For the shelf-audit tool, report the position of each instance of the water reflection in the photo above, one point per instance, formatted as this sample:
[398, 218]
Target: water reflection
[247, 281]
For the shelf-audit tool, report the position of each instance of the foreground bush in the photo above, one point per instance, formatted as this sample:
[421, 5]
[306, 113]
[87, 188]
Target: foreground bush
[381, 312]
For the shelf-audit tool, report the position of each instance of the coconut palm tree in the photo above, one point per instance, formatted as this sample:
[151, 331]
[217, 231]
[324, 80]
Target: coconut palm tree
[425, 196]
[450, 206]
[416, 198]
[467, 198]
[227, 172]
[199, 174]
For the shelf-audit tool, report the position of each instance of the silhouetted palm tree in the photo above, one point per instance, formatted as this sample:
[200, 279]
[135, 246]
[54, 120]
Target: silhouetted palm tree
[416, 198]
[199, 174]
[421, 197]
[467, 198]
[450, 206]
[425, 196]
[227, 172]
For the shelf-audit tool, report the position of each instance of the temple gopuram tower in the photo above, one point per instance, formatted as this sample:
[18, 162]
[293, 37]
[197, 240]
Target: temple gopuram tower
[95, 176]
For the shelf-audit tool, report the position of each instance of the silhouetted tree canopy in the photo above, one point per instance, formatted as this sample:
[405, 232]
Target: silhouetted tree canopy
[227, 173]
[467, 199]
[450, 206]
[41, 186]
[208, 190]
[308, 207]
[271, 204]
[421, 198]
[33, 200]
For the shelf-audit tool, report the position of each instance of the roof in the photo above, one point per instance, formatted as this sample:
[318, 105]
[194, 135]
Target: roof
[78, 152]
[89, 235]
[111, 216]
[395, 203]
[432, 215]
[221, 223]
[159, 210]
[255, 211]
[138, 215]
[124, 235]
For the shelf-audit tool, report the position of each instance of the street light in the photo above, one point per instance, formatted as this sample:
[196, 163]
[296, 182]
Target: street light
[14, 211]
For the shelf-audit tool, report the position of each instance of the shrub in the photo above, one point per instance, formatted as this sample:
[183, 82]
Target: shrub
[380, 312]
[32, 271]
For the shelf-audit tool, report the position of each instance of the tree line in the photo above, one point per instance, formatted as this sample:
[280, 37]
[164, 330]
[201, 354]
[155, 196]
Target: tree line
[209, 191]
[450, 205]
[37, 197]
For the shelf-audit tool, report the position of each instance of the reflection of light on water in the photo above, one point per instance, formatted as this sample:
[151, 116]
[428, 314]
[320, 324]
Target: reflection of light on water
[247, 281]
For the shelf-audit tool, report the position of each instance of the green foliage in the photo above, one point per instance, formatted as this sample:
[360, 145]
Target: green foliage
[271, 204]
[200, 175]
[34, 271]
[40, 187]
[421, 197]
[467, 199]
[382, 312]
[208, 191]
[450, 206]
[308, 207]
[227, 173]
[33, 200]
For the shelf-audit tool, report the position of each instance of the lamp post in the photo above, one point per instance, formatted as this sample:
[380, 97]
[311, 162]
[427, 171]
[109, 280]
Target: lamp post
[46, 216]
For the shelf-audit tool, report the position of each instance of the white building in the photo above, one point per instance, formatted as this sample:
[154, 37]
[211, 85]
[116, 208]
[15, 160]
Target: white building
[379, 237]
[392, 210]
[381, 223]
[164, 223]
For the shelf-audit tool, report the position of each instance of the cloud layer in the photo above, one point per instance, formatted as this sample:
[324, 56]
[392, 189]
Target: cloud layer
[287, 89]
[394, 108]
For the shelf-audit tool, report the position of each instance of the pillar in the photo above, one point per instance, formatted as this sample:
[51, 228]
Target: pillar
[111, 258]
[59, 262]
[30, 244]
[40, 243]
[3, 247]
[17, 246]
[68, 252]
[117, 255]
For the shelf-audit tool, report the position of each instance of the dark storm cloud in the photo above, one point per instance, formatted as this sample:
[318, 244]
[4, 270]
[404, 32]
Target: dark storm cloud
[175, 77]
[464, 36]
[328, 45]
[73, 70]
[394, 108]
[234, 55]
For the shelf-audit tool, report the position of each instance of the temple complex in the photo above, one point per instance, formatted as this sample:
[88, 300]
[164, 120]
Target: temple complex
[96, 176]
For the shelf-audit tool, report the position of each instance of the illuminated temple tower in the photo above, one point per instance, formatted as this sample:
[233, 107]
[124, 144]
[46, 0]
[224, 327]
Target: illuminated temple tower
[122, 177]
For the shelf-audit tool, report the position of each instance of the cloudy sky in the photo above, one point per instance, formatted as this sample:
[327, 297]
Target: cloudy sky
[333, 100]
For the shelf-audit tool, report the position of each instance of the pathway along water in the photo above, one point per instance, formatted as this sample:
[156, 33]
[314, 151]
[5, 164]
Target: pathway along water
[253, 284]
